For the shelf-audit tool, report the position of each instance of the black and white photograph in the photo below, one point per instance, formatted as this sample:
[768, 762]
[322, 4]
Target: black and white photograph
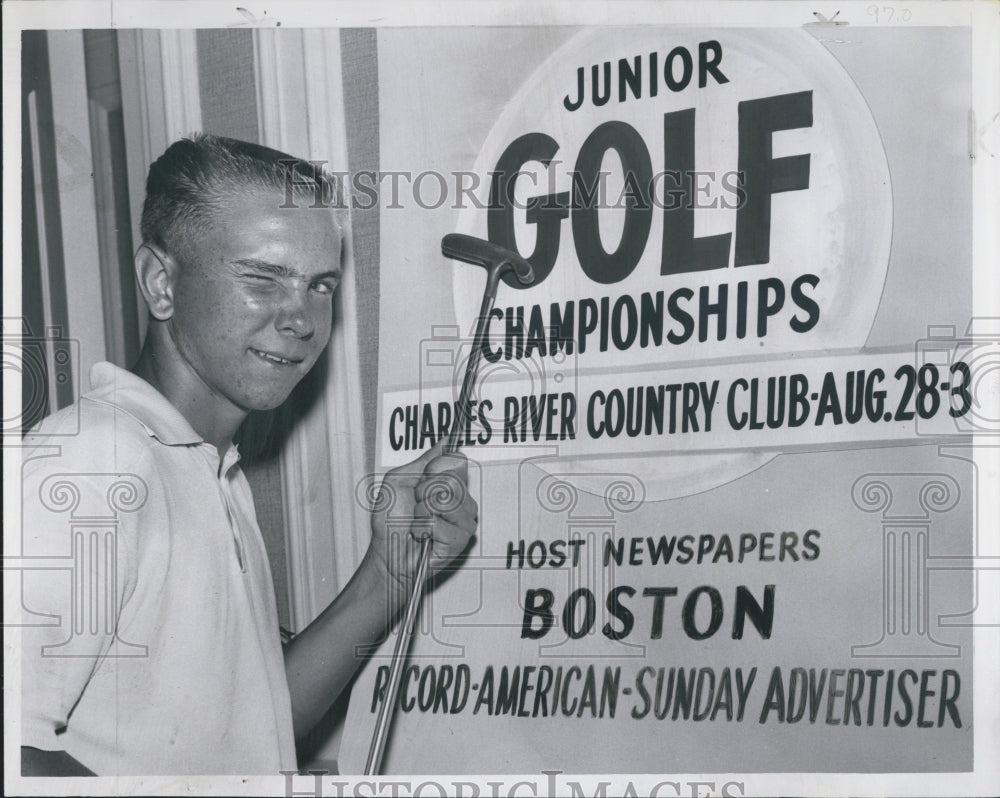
[501, 399]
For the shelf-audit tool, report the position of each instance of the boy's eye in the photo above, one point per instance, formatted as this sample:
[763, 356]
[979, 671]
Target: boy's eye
[262, 281]
[324, 287]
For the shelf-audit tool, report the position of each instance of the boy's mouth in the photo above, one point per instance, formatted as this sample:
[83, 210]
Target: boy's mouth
[271, 357]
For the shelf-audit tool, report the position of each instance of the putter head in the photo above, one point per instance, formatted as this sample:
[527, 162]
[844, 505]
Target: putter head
[488, 255]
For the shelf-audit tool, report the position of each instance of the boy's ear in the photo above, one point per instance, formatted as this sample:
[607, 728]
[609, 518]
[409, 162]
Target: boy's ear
[156, 272]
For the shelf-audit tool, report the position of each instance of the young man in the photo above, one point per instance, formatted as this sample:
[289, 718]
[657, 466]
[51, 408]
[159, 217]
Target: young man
[163, 656]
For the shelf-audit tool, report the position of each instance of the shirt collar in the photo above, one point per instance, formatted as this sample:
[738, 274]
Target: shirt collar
[134, 396]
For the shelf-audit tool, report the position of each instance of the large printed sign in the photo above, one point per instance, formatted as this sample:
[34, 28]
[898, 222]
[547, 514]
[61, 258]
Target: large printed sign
[721, 445]
[672, 212]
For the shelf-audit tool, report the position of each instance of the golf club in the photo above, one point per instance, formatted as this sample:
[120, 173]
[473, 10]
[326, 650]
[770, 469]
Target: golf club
[497, 261]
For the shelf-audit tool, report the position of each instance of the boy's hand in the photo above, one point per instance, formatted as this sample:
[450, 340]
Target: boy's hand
[428, 497]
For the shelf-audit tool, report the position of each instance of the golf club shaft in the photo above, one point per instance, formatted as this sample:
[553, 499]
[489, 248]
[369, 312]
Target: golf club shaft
[405, 635]
[471, 370]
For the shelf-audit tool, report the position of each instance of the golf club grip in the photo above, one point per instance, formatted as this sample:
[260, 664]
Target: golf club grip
[470, 249]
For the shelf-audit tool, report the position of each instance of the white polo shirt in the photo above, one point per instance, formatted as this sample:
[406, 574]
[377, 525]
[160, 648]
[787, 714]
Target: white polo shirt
[151, 641]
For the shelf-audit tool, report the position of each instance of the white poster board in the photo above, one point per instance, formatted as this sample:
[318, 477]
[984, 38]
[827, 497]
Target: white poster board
[724, 446]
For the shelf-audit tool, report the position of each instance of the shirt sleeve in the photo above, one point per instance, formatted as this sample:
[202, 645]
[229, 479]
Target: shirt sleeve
[75, 579]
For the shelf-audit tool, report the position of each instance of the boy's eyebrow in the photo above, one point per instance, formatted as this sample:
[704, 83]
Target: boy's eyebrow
[280, 270]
